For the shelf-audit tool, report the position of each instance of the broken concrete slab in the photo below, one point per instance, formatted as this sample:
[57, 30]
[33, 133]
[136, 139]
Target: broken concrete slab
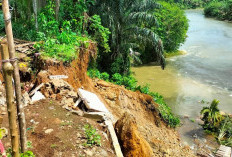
[37, 96]
[92, 102]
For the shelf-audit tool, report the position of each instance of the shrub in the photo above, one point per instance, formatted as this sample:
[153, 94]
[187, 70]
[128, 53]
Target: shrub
[93, 138]
[105, 76]
[173, 26]
[219, 9]
[216, 124]
[117, 78]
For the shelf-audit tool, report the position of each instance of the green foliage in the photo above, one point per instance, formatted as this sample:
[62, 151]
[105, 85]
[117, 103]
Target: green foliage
[59, 38]
[165, 111]
[219, 9]
[2, 24]
[173, 26]
[93, 138]
[216, 124]
[101, 34]
[105, 76]
[190, 4]
[211, 116]
[3, 132]
[125, 21]
[27, 154]
[130, 83]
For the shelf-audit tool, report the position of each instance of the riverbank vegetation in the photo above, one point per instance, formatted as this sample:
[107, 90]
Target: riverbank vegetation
[190, 4]
[220, 9]
[217, 124]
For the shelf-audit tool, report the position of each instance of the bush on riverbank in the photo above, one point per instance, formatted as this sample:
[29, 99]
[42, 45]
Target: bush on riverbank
[172, 29]
[190, 4]
[219, 9]
[217, 124]
[130, 83]
[173, 26]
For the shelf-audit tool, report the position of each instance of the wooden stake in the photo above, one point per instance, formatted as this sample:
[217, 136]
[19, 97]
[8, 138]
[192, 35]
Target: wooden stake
[12, 114]
[20, 107]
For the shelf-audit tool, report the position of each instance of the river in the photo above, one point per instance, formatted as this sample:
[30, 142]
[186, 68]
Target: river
[203, 74]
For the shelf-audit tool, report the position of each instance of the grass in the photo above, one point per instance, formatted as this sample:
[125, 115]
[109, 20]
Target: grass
[173, 54]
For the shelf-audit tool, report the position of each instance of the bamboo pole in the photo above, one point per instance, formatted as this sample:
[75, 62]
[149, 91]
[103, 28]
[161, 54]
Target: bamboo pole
[20, 107]
[12, 114]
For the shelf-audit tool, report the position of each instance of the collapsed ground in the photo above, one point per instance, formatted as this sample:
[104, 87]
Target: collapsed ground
[140, 130]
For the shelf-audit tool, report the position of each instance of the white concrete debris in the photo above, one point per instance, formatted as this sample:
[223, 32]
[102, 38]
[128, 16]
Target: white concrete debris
[224, 151]
[91, 101]
[37, 96]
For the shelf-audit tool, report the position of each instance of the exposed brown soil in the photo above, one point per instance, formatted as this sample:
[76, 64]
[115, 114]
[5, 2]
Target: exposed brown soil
[130, 139]
[67, 138]
[163, 140]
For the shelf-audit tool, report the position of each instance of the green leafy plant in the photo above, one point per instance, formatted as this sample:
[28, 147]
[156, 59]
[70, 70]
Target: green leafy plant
[93, 138]
[27, 154]
[3, 132]
[218, 125]
[219, 9]
[125, 20]
[211, 116]
[100, 33]
[29, 144]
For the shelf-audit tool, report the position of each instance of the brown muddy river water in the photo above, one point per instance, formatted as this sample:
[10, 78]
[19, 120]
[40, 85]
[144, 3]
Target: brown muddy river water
[204, 73]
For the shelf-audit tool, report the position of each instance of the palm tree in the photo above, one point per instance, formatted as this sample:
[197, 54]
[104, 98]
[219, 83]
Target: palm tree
[127, 21]
[211, 115]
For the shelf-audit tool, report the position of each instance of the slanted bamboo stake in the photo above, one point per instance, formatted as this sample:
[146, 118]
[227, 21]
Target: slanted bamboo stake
[12, 114]
[20, 107]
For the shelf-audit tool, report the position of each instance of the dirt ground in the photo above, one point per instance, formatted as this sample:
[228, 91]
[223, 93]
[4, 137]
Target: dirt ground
[67, 137]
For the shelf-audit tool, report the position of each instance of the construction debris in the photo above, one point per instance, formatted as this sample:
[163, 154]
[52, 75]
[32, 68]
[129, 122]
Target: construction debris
[91, 101]
[224, 151]
[37, 96]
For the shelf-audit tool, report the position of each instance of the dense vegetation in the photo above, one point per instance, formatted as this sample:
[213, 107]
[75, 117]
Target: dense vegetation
[217, 124]
[221, 9]
[173, 26]
[190, 4]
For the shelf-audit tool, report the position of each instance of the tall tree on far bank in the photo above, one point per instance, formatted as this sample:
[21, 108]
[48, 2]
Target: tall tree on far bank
[125, 19]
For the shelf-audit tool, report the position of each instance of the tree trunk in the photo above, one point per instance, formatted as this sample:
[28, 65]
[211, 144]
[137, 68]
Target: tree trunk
[20, 107]
[57, 9]
[12, 114]
[35, 10]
